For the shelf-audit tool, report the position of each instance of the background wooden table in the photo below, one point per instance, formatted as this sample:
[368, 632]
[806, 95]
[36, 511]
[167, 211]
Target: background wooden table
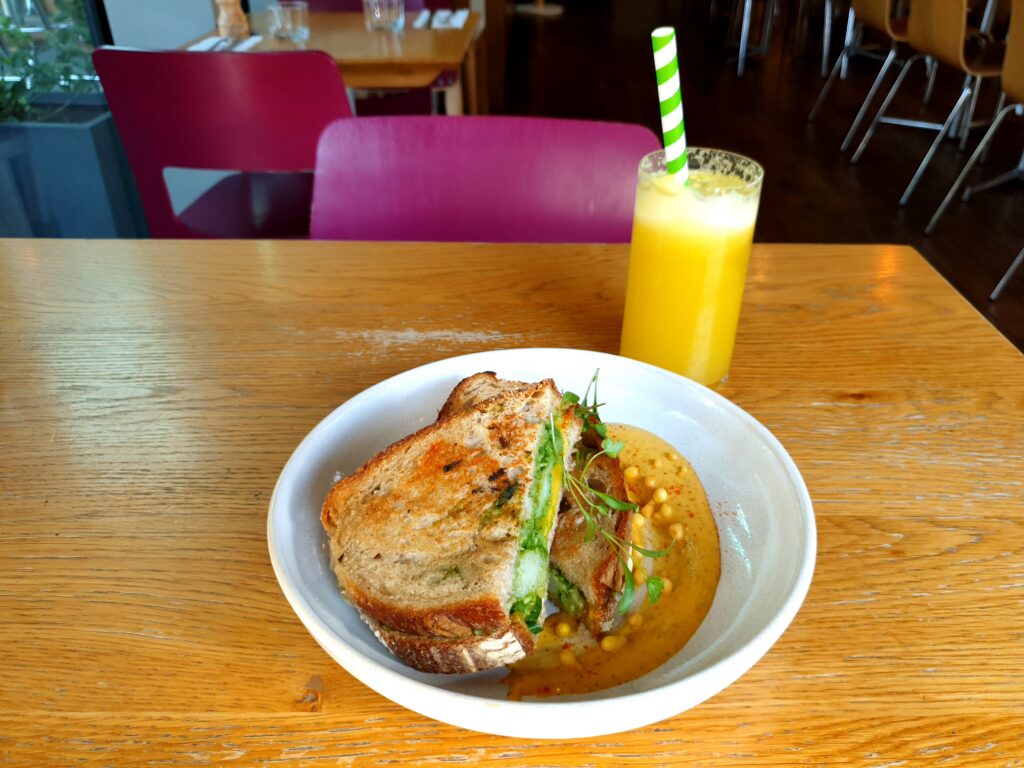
[150, 393]
[371, 60]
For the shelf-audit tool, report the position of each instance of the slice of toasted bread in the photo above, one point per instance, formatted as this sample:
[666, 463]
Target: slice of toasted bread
[592, 566]
[425, 536]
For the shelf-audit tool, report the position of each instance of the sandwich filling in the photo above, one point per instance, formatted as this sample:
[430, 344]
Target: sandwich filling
[566, 594]
[529, 585]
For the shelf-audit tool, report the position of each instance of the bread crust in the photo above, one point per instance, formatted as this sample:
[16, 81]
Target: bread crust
[449, 655]
[475, 389]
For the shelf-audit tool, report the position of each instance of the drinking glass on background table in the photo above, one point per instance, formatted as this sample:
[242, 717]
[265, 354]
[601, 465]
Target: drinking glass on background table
[384, 15]
[688, 262]
[289, 20]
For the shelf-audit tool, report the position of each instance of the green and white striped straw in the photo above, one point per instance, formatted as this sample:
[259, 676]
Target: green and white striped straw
[666, 64]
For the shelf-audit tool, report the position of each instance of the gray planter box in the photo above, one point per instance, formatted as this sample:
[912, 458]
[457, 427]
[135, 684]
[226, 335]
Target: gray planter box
[67, 179]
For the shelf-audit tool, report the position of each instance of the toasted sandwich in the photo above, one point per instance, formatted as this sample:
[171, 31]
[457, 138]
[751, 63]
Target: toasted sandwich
[586, 577]
[441, 541]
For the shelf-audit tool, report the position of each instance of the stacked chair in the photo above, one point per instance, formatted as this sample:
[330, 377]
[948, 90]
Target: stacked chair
[938, 29]
[1012, 88]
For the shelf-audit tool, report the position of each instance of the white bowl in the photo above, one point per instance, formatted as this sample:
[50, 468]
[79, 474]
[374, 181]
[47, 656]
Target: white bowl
[764, 516]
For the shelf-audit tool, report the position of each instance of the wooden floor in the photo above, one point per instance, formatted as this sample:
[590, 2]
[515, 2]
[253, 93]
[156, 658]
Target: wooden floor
[595, 62]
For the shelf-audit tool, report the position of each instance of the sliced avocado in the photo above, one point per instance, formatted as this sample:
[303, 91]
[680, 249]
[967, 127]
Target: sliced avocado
[529, 584]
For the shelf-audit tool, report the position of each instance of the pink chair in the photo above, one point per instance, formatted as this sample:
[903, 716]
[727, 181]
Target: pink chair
[258, 113]
[486, 179]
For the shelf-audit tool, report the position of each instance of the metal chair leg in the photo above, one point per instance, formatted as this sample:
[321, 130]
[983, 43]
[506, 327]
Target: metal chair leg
[827, 87]
[1008, 276]
[958, 131]
[826, 38]
[748, 6]
[985, 141]
[965, 134]
[933, 70]
[771, 10]
[885, 105]
[848, 42]
[985, 186]
[870, 98]
[946, 127]
[1000, 103]
[998, 181]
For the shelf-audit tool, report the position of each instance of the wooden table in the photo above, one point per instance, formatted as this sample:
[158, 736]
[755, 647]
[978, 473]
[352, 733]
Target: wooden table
[151, 392]
[413, 58]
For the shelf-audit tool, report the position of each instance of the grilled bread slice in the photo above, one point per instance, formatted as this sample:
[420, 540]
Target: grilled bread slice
[441, 541]
[586, 576]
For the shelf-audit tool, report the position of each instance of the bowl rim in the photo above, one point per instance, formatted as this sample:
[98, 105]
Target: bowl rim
[407, 691]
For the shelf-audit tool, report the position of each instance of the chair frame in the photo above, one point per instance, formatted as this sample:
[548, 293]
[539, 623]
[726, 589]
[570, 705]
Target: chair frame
[1007, 276]
[770, 10]
[854, 34]
[979, 152]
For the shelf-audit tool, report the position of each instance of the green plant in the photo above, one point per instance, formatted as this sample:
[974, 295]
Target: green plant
[56, 60]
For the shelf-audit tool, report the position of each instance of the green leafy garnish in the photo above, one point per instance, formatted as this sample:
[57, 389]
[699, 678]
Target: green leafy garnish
[611, 501]
[655, 585]
[622, 548]
[528, 609]
[586, 408]
[628, 589]
[612, 447]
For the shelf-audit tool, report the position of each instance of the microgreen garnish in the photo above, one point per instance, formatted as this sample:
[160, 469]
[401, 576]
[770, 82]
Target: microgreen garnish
[591, 502]
[586, 408]
[655, 584]
[628, 588]
[612, 447]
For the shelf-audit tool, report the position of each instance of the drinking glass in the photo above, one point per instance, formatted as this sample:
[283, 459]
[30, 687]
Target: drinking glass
[688, 262]
[384, 15]
[289, 20]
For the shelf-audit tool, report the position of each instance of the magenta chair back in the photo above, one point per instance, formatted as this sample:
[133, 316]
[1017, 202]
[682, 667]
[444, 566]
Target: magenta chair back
[251, 112]
[477, 179]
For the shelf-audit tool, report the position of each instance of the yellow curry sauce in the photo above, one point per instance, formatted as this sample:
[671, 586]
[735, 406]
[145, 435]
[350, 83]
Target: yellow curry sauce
[651, 634]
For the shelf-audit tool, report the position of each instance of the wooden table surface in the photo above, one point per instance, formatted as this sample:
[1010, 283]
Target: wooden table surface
[412, 59]
[151, 392]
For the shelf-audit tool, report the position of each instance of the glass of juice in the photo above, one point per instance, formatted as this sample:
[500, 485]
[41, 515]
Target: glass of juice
[688, 262]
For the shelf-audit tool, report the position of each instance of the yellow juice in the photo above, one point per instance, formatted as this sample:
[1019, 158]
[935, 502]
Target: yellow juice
[687, 267]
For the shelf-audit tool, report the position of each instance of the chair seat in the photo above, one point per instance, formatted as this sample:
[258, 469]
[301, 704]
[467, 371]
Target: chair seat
[253, 205]
[984, 56]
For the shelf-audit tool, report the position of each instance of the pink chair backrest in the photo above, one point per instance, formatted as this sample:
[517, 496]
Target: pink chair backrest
[230, 111]
[477, 179]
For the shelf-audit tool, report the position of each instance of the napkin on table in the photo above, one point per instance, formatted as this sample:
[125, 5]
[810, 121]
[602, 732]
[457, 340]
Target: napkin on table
[248, 43]
[449, 20]
[205, 44]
